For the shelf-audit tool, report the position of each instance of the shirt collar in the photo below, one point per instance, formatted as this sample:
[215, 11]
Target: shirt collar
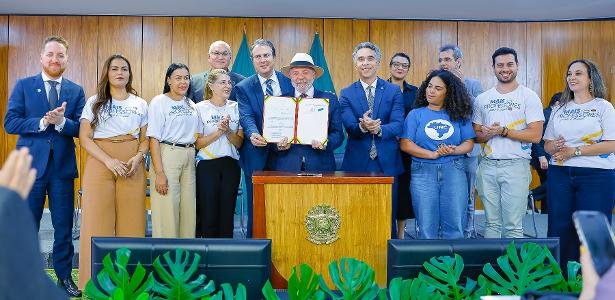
[309, 93]
[262, 79]
[46, 78]
[365, 85]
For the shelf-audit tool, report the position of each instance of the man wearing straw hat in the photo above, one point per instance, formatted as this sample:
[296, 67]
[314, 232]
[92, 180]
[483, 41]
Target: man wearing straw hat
[317, 157]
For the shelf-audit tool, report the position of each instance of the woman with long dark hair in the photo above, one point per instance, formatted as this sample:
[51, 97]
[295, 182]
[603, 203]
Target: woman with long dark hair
[580, 137]
[437, 134]
[173, 130]
[112, 132]
[217, 171]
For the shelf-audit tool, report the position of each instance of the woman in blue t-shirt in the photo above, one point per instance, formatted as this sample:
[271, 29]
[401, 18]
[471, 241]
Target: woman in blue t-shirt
[437, 134]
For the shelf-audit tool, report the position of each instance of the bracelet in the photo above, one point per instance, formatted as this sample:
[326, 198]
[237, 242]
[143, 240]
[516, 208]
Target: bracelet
[504, 132]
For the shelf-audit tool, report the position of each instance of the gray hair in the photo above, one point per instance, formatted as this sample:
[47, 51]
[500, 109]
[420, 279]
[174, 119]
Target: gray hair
[368, 45]
[457, 54]
[223, 43]
[263, 42]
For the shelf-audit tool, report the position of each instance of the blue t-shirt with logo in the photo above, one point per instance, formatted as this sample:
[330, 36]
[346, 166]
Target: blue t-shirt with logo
[429, 128]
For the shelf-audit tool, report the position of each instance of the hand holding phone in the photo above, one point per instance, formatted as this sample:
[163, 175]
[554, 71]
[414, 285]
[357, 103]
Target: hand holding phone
[596, 235]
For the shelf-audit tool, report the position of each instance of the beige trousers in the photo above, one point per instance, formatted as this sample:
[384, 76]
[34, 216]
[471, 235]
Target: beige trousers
[174, 214]
[111, 206]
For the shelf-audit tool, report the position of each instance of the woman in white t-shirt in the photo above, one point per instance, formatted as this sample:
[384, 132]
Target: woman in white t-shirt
[112, 132]
[217, 171]
[580, 137]
[173, 129]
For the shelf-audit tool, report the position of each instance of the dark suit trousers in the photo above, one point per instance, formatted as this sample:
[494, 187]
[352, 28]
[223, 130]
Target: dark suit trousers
[61, 206]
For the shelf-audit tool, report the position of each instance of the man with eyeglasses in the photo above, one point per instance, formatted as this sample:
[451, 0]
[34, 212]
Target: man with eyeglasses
[373, 115]
[399, 67]
[251, 93]
[450, 58]
[220, 56]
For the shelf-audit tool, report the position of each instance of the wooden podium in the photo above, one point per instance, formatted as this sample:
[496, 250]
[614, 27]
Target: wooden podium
[361, 202]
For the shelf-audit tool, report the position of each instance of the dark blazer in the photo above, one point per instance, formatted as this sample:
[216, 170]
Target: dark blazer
[250, 99]
[315, 160]
[21, 263]
[197, 85]
[389, 108]
[27, 105]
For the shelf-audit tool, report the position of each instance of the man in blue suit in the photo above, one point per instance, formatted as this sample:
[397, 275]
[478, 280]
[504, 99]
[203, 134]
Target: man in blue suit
[317, 157]
[251, 94]
[373, 115]
[44, 110]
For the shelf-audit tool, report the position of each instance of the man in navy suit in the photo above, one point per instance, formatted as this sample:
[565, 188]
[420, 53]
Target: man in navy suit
[44, 110]
[317, 157]
[250, 97]
[373, 115]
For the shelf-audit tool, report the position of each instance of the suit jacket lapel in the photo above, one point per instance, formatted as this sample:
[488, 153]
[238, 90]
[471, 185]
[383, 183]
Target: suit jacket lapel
[362, 99]
[39, 86]
[258, 93]
[65, 92]
[378, 97]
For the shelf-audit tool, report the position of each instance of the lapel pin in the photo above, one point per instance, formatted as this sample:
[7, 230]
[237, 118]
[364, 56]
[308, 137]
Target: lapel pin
[38, 90]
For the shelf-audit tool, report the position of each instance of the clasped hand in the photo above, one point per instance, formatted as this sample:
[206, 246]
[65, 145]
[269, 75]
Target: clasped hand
[444, 150]
[493, 130]
[369, 124]
[562, 153]
[55, 116]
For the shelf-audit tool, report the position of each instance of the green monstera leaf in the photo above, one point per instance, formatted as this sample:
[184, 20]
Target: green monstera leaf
[410, 289]
[178, 278]
[533, 268]
[306, 286]
[353, 278]
[269, 292]
[115, 281]
[445, 276]
[227, 293]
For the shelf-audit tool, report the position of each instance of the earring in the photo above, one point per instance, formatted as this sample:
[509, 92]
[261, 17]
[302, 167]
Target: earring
[591, 88]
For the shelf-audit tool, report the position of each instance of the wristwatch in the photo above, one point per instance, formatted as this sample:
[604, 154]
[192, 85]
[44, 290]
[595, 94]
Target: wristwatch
[577, 151]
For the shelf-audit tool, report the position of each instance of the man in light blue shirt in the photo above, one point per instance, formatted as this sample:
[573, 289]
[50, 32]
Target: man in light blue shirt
[450, 58]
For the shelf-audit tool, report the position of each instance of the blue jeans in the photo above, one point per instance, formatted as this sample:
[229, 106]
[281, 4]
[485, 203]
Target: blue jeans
[471, 166]
[439, 197]
[503, 187]
[572, 189]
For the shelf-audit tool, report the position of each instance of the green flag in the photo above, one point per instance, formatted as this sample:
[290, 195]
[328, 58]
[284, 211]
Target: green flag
[243, 61]
[324, 82]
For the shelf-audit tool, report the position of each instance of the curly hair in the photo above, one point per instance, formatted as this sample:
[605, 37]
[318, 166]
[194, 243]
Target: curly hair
[457, 101]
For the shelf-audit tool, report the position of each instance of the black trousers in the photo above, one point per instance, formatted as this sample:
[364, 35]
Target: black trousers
[217, 181]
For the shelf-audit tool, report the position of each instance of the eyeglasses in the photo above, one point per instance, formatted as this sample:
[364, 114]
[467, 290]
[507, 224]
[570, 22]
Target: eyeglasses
[224, 82]
[216, 53]
[397, 65]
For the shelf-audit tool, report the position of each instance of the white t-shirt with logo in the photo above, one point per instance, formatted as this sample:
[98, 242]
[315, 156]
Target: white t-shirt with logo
[210, 115]
[173, 121]
[514, 110]
[581, 125]
[117, 117]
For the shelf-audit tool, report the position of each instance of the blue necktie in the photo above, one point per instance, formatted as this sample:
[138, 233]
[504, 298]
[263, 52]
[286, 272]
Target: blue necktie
[373, 152]
[269, 88]
[53, 94]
